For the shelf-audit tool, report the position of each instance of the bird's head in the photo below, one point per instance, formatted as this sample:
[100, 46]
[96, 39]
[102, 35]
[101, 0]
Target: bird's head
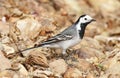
[85, 19]
[82, 22]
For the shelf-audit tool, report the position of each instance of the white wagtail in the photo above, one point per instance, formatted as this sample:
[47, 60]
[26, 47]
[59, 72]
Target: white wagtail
[69, 37]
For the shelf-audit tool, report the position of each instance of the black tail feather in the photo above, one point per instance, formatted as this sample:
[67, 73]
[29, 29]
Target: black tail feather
[36, 46]
[28, 49]
[20, 51]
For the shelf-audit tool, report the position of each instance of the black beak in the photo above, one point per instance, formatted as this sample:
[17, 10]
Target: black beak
[93, 20]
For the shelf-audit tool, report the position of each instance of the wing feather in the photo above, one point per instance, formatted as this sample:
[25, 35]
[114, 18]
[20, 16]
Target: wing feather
[58, 38]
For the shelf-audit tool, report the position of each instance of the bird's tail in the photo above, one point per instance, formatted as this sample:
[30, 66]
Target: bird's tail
[21, 51]
[36, 46]
[28, 49]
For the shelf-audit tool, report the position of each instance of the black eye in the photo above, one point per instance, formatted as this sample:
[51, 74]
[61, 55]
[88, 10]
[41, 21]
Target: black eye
[85, 18]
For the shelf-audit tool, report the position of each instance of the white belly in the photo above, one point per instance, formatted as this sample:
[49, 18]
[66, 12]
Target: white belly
[64, 44]
[69, 43]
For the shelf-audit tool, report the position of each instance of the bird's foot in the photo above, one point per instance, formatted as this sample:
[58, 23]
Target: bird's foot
[71, 57]
[64, 56]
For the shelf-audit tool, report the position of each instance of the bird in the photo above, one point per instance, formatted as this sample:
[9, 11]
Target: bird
[69, 37]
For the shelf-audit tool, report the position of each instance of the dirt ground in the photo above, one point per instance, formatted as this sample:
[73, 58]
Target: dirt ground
[25, 23]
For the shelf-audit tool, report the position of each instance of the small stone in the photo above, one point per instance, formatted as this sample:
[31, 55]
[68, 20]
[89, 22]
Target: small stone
[7, 49]
[42, 73]
[23, 70]
[4, 62]
[73, 73]
[58, 66]
[37, 58]
[84, 65]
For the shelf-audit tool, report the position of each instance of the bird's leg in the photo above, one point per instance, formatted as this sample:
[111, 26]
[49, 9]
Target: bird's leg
[71, 55]
[69, 52]
[64, 55]
[64, 52]
[67, 56]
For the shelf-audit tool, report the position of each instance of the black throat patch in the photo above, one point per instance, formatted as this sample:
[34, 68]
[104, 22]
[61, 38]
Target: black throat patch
[82, 31]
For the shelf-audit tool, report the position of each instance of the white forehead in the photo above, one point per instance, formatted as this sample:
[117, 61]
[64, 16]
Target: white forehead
[87, 16]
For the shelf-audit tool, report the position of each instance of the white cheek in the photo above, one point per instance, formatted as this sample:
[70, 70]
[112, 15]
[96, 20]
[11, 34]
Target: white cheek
[83, 20]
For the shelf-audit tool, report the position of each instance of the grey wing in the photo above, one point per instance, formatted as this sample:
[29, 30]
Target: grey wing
[67, 34]
[57, 38]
